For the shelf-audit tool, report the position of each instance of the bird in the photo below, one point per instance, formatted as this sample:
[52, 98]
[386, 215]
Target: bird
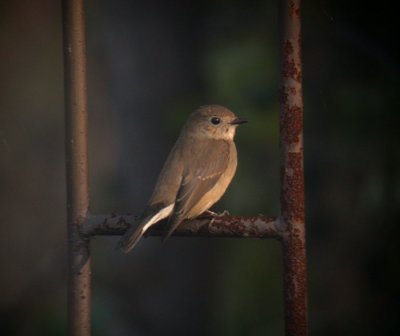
[197, 172]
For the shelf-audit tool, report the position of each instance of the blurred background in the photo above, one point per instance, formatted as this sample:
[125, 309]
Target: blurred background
[151, 63]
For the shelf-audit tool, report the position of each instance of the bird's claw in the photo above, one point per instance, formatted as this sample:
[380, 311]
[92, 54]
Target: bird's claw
[208, 215]
[224, 213]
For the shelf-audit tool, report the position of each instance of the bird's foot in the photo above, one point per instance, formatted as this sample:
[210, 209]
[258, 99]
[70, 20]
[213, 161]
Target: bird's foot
[207, 215]
[224, 213]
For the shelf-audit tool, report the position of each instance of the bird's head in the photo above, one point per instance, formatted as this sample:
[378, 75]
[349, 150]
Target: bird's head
[213, 121]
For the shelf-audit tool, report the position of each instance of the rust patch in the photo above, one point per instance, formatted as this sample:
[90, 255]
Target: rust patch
[291, 55]
[291, 121]
[287, 48]
[292, 90]
[293, 188]
[294, 11]
[283, 96]
[292, 70]
[295, 279]
[252, 226]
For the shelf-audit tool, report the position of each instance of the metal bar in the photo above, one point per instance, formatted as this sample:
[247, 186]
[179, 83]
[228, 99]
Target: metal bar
[220, 226]
[292, 172]
[79, 290]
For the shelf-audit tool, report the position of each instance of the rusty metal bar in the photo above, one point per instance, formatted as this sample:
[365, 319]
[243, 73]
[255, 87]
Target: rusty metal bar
[79, 290]
[220, 226]
[292, 172]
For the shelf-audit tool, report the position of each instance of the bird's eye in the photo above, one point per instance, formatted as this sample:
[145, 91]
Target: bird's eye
[215, 120]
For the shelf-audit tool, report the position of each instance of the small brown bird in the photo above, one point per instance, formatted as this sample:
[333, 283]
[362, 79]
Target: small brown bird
[196, 174]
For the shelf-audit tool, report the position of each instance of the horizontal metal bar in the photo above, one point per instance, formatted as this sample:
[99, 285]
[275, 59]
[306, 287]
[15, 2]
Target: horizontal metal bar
[259, 226]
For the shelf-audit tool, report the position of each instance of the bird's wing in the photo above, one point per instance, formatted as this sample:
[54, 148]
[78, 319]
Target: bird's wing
[208, 161]
[161, 202]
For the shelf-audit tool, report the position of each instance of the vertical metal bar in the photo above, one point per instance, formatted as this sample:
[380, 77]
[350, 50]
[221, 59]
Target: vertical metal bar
[292, 172]
[79, 291]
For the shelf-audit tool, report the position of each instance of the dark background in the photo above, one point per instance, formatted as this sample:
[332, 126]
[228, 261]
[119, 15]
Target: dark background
[150, 63]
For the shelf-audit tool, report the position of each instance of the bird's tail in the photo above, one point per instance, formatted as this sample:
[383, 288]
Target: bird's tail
[132, 237]
[174, 222]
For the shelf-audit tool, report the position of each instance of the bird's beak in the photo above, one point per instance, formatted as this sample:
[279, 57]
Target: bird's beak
[238, 121]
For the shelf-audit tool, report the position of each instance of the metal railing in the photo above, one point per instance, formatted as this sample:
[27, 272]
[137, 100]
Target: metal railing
[289, 227]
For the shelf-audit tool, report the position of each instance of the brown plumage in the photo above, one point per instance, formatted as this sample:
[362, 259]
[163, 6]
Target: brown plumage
[196, 174]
